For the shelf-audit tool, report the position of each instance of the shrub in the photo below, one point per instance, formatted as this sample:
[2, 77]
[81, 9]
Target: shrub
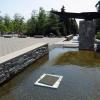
[98, 35]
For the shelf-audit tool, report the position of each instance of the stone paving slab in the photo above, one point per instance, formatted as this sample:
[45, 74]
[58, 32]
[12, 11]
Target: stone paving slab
[49, 80]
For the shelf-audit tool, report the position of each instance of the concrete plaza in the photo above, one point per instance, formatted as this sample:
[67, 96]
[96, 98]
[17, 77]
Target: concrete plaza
[9, 45]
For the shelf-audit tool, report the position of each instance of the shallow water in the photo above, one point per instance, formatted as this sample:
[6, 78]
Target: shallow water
[78, 83]
[81, 58]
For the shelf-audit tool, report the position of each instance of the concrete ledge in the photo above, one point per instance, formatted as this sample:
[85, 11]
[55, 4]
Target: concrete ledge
[67, 44]
[20, 52]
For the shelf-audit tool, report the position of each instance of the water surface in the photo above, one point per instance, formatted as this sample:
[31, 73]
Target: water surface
[78, 83]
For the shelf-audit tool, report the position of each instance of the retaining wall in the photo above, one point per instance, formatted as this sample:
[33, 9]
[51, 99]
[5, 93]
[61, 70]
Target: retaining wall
[15, 62]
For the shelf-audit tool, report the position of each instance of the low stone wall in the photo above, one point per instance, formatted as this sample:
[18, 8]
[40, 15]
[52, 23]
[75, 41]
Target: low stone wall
[20, 60]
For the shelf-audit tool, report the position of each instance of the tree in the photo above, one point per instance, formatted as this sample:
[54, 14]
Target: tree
[73, 27]
[18, 24]
[53, 24]
[31, 26]
[2, 26]
[41, 22]
[7, 23]
[36, 25]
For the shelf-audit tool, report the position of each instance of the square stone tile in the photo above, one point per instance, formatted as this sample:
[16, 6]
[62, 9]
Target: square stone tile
[49, 80]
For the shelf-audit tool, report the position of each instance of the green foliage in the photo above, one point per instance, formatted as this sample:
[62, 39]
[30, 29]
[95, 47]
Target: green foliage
[41, 23]
[2, 28]
[53, 24]
[31, 26]
[7, 24]
[98, 35]
[18, 23]
[73, 27]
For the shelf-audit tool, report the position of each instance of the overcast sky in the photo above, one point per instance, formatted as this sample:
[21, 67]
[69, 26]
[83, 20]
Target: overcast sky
[25, 7]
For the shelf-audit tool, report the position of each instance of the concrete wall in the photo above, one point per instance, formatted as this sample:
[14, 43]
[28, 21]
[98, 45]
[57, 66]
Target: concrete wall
[13, 63]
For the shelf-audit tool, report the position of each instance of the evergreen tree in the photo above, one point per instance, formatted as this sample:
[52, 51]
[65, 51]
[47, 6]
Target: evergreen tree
[31, 26]
[73, 26]
[53, 24]
[2, 26]
[7, 23]
[41, 22]
[18, 24]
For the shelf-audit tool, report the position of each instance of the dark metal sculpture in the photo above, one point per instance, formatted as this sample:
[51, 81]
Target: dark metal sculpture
[98, 6]
[83, 15]
[65, 16]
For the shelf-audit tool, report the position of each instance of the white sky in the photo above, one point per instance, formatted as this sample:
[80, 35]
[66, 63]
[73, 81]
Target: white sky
[25, 7]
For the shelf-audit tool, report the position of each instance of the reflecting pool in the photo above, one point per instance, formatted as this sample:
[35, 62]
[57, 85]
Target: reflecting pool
[80, 81]
[81, 58]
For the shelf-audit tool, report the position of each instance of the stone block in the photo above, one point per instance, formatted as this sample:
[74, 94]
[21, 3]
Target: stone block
[86, 35]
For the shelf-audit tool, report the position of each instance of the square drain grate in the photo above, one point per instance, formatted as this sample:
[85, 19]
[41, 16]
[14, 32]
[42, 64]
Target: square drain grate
[49, 80]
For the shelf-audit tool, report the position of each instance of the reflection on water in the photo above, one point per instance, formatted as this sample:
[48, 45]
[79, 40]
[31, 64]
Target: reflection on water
[79, 83]
[81, 58]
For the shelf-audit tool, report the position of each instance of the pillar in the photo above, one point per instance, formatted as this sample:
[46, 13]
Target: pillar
[86, 35]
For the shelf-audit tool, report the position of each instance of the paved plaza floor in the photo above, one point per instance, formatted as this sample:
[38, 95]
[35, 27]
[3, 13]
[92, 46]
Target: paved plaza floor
[9, 45]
